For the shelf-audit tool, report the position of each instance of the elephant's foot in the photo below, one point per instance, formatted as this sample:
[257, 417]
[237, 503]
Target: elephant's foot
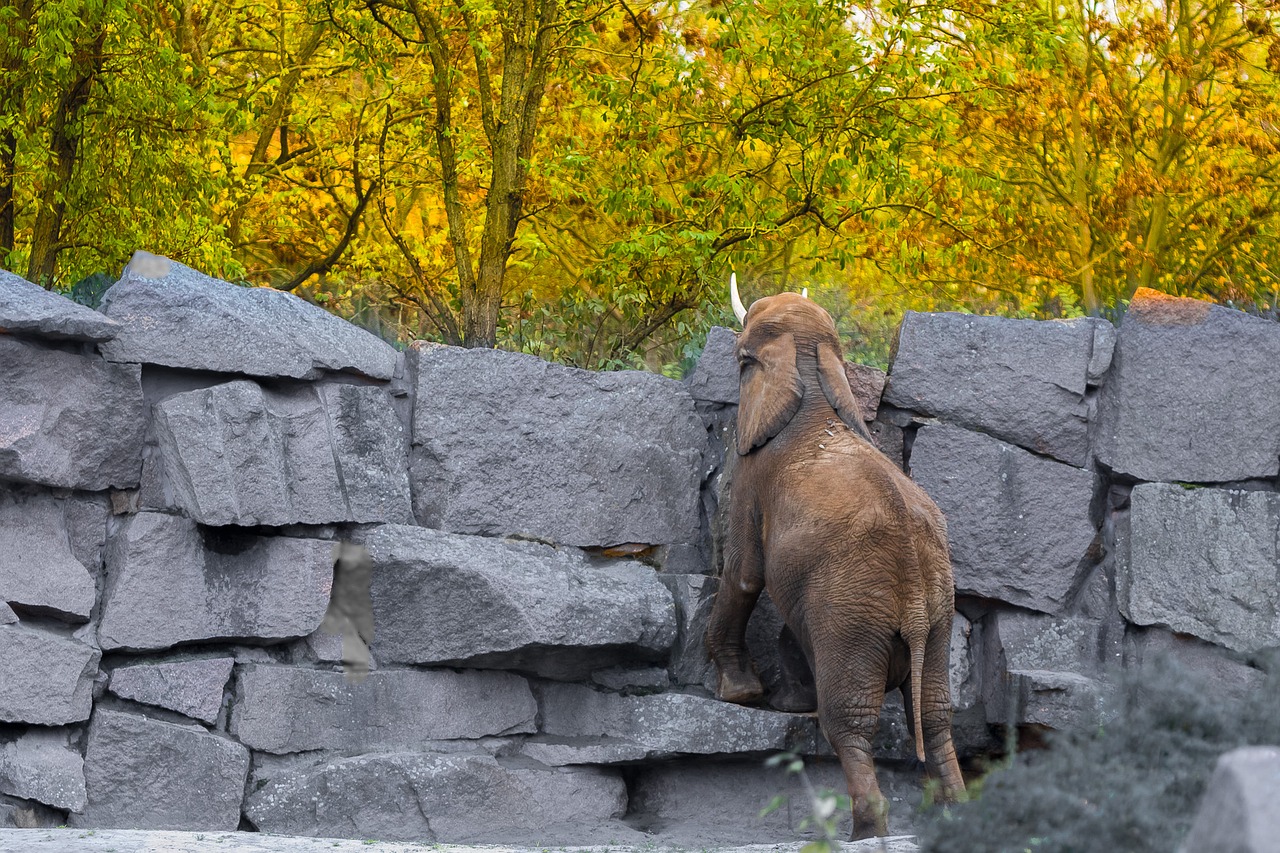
[742, 688]
[795, 699]
[870, 817]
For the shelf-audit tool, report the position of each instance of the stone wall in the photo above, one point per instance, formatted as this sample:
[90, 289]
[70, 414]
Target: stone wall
[176, 470]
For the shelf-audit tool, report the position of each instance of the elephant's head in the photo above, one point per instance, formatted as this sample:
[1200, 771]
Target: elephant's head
[788, 345]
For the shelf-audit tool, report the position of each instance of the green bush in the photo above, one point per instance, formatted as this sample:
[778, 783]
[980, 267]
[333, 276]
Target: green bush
[1132, 784]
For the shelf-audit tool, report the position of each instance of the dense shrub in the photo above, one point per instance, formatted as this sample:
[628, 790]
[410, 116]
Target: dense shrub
[1132, 783]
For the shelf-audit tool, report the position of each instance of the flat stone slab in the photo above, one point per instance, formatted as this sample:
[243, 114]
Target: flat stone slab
[436, 797]
[151, 774]
[29, 309]
[1022, 381]
[45, 678]
[50, 552]
[1238, 811]
[281, 709]
[1203, 562]
[667, 724]
[239, 454]
[69, 420]
[172, 315]
[170, 581]
[1183, 400]
[1018, 524]
[441, 597]
[505, 443]
[190, 687]
[42, 765]
[147, 841]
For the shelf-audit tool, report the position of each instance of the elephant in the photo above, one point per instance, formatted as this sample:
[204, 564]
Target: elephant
[852, 552]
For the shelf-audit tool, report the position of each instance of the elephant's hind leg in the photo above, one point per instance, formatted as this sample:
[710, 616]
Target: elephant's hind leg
[935, 714]
[849, 710]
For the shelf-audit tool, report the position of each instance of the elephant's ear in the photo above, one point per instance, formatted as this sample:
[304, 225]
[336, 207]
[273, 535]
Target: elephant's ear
[835, 385]
[771, 391]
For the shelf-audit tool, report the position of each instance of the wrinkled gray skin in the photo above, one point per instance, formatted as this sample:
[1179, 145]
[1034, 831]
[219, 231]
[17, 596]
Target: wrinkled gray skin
[853, 553]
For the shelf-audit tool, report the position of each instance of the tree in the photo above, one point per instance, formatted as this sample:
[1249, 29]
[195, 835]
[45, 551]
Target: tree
[1116, 146]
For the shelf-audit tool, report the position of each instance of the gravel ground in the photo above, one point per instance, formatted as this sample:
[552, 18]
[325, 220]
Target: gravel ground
[148, 841]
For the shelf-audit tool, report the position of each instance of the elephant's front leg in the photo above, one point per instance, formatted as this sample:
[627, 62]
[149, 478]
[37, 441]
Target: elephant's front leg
[740, 587]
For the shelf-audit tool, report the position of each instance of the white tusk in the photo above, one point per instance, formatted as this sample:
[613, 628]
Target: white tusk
[804, 293]
[736, 300]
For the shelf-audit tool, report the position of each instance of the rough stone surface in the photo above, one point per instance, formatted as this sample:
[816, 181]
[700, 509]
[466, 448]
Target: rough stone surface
[1019, 524]
[191, 687]
[150, 774]
[867, 384]
[169, 582]
[715, 378]
[239, 454]
[694, 596]
[1048, 670]
[68, 420]
[1214, 665]
[1059, 700]
[280, 709]
[441, 597]
[1203, 562]
[962, 673]
[45, 679]
[666, 724]
[1022, 381]
[42, 765]
[1238, 813]
[506, 443]
[39, 565]
[29, 309]
[57, 840]
[174, 316]
[436, 798]
[724, 799]
[1182, 402]
[7, 616]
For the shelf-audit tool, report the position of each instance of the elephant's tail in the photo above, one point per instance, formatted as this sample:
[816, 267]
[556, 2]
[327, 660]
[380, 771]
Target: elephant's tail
[916, 645]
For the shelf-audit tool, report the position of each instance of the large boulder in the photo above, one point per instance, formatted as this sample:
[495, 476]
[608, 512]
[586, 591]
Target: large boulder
[170, 581]
[667, 724]
[29, 309]
[281, 709]
[444, 598]
[1047, 670]
[505, 443]
[694, 597]
[45, 678]
[43, 765]
[1183, 400]
[1019, 524]
[1238, 812]
[1222, 670]
[143, 773]
[715, 377]
[729, 800]
[440, 798]
[190, 687]
[67, 419]
[1203, 562]
[172, 315]
[50, 551]
[1022, 381]
[239, 454]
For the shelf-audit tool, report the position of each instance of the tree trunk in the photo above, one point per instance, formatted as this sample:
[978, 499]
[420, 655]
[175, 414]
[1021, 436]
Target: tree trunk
[64, 141]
